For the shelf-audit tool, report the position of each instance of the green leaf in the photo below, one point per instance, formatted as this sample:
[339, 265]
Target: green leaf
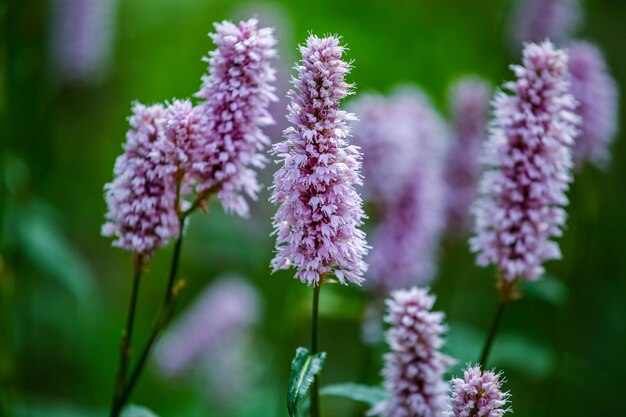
[304, 367]
[133, 410]
[47, 248]
[362, 393]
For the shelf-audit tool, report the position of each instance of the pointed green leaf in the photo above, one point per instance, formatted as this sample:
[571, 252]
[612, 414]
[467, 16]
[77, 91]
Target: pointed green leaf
[304, 367]
[362, 393]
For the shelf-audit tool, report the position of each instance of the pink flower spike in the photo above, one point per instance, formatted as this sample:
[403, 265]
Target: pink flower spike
[528, 162]
[237, 92]
[478, 394]
[414, 369]
[319, 214]
[141, 199]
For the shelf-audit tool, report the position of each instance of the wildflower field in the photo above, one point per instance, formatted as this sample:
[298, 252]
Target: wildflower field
[331, 208]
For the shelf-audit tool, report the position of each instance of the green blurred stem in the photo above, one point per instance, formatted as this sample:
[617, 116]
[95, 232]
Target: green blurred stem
[127, 335]
[315, 403]
[492, 334]
[163, 318]
[507, 293]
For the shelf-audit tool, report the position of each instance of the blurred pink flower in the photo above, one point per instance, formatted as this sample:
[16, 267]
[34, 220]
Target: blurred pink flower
[537, 20]
[597, 96]
[469, 106]
[404, 142]
[210, 339]
[82, 33]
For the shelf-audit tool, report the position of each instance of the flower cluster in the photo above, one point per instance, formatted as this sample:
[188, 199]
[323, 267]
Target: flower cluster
[237, 92]
[597, 96]
[478, 394]
[317, 222]
[404, 141]
[141, 200]
[184, 149]
[528, 167]
[537, 20]
[415, 367]
[469, 106]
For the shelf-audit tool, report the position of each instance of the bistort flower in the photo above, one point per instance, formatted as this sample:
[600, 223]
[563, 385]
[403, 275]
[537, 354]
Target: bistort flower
[404, 142]
[597, 95]
[469, 105]
[478, 394]
[186, 141]
[317, 222]
[414, 369]
[237, 92]
[528, 161]
[142, 199]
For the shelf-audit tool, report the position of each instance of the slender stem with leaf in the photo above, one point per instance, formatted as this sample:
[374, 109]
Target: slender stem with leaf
[315, 406]
[508, 291]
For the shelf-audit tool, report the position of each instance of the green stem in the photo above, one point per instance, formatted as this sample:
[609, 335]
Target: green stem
[163, 318]
[508, 291]
[127, 335]
[492, 334]
[315, 404]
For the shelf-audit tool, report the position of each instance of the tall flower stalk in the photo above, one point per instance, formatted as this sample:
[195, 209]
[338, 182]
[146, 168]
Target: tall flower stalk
[320, 212]
[528, 162]
[185, 152]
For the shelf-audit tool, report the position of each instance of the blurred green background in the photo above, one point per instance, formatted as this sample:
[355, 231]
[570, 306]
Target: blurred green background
[64, 290]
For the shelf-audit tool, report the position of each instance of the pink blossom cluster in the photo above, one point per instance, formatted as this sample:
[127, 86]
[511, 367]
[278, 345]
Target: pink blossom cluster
[318, 221]
[237, 92]
[185, 150]
[141, 200]
[414, 369]
[478, 394]
[528, 161]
